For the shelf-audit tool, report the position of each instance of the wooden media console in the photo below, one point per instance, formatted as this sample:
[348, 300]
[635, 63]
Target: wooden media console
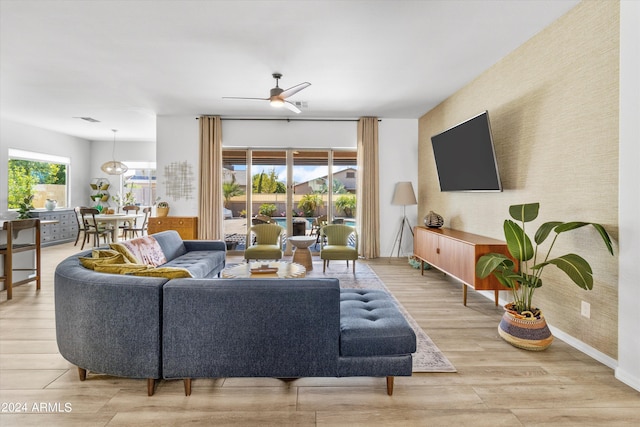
[456, 253]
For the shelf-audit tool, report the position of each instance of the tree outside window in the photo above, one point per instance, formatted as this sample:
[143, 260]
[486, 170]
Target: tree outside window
[42, 180]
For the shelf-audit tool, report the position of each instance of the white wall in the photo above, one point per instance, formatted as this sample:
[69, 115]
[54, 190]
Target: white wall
[177, 140]
[398, 151]
[283, 134]
[29, 138]
[125, 151]
[628, 369]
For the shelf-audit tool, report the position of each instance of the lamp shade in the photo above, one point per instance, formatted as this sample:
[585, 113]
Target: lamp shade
[114, 167]
[403, 194]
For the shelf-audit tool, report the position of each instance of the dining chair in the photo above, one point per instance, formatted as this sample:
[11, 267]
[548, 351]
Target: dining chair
[129, 209]
[133, 229]
[92, 227]
[80, 224]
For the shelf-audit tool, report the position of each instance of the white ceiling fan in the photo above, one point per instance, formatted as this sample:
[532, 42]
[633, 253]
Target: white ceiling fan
[278, 96]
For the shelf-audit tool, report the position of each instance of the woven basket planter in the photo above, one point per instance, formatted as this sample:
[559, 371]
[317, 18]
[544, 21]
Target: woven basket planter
[528, 333]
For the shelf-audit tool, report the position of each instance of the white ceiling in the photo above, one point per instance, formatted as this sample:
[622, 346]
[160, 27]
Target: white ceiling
[124, 62]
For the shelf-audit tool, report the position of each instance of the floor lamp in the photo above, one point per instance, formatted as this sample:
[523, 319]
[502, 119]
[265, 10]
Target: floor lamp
[403, 195]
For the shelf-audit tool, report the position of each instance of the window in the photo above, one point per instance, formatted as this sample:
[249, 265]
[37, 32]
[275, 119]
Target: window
[137, 185]
[42, 176]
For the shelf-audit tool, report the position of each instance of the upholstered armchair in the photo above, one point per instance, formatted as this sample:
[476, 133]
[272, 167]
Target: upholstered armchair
[336, 245]
[268, 242]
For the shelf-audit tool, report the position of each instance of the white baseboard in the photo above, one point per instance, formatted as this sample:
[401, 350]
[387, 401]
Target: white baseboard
[627, 378]
[572, 341]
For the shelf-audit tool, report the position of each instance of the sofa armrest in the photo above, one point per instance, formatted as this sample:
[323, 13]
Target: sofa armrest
[205, 245]
[108, 323]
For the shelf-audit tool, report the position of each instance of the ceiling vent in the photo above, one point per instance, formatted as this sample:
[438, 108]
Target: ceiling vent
[303, 105]
[88, 119]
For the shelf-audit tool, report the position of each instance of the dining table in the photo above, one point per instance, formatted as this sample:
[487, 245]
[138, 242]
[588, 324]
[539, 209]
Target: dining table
[116, 220]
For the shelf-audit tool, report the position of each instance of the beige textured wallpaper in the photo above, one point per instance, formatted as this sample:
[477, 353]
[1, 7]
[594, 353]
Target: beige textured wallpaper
[553, 106]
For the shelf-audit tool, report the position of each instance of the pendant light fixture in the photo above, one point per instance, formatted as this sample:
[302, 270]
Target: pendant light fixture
[114, 167]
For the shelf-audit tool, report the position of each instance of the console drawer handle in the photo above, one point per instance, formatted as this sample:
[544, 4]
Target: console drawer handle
[437, 250]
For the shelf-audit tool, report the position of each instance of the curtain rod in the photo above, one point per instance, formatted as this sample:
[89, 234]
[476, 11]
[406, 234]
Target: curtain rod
[288, 119]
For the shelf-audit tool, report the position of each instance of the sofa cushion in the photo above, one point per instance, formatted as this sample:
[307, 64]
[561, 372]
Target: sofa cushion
[201, 264]
[372, 325]
[171, 243]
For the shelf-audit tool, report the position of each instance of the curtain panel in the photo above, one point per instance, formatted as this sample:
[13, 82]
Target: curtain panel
[368, 200]
[210, 225]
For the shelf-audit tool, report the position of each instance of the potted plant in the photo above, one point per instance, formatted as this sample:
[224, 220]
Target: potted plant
[25, 206]
[162, 209]
[523, 325]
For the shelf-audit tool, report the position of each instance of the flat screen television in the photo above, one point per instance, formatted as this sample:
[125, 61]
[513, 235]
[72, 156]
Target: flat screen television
[465, 157]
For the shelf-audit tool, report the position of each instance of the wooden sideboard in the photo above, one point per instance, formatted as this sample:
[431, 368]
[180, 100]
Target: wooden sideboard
[456, 253]
[186, 226]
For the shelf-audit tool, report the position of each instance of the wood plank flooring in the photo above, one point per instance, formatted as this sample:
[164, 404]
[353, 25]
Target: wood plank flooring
[496, 384]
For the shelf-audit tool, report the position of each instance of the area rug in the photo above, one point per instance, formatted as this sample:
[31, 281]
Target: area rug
[428, 357]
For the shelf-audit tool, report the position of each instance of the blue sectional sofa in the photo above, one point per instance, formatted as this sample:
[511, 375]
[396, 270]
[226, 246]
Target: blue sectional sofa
[206, 327]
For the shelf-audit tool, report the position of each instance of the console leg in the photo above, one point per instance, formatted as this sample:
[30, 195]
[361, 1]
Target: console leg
[496, 294]
[389, 386]
[464, 294]
[187, 386]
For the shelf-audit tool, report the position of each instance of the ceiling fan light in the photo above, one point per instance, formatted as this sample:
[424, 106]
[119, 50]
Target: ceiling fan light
[276, 102]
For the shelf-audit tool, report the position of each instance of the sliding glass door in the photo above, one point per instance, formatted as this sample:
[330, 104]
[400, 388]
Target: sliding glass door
[293, 188]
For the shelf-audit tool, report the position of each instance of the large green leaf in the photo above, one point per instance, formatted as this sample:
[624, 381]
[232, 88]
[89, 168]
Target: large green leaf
[567, 226]
[518, 242]
[544, 230]
[605, 236]
[576, 224]
[488, 263]
[524, 213]
[576, 267]
[504, 277]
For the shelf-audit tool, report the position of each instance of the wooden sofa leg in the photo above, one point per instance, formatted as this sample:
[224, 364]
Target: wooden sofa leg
[82, 373]
[151, 385]
[187, 386]
[390, 386]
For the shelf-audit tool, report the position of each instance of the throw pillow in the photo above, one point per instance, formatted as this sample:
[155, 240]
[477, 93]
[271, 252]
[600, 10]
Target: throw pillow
[91, 263]
[125, 268]
[166, 272]
[146, 250]
[103, 253]
[120, 248]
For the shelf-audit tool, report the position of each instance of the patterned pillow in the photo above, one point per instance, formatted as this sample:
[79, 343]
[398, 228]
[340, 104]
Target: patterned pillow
[146, 250]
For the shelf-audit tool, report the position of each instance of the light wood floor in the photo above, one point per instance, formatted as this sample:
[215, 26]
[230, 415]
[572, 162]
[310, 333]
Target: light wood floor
[496, 384]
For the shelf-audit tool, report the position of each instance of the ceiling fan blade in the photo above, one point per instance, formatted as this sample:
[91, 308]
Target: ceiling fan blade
[290, 106]
[250, 99]
[294, 89]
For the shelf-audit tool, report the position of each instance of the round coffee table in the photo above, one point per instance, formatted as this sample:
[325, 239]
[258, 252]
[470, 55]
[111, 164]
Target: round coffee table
[302, 254]
[281, 269]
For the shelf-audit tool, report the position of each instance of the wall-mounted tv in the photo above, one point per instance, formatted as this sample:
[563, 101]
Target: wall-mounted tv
[465, 157]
